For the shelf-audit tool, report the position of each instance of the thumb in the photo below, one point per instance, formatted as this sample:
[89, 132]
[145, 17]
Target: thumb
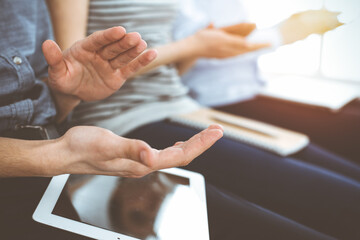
[54, 58]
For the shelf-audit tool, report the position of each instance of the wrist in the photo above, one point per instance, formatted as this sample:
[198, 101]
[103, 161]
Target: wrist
[194, 46]
[64, 105]
[66, 101]
[47, 157]
[23, 158]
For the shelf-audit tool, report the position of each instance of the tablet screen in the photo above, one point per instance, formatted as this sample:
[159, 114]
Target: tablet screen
[146, 208]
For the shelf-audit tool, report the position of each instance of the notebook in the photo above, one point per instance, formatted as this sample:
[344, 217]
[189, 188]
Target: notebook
[265, 136]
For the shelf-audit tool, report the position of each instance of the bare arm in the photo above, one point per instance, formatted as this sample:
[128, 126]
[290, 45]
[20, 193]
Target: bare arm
[61, 18]
[242, 30]
[207, 43]
[88, 71]
[69, 20]
[210, 42]
[92, 150]
[23, 158]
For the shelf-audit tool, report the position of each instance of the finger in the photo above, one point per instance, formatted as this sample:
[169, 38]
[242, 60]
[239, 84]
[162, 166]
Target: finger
[234, 41]
[216, 126]
[111, 51]
[54, 57]
[178, 143]
[125, 168]
[100, 39]
[132, 149]
[181, 156]
[257, 46]
[210, 26]
[136, 151]
[125, 58]
[241, 29]
[138, 63]
[248, 28]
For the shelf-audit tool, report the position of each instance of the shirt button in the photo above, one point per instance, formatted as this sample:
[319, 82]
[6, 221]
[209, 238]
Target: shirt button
[17, 60]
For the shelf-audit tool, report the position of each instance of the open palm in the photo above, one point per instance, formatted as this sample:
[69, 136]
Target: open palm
[93, 150]
[97, 66]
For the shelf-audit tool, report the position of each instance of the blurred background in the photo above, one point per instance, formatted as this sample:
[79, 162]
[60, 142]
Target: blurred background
[333, 56]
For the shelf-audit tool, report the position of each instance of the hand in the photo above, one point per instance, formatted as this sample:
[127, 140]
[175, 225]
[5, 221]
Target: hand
[93, 150]
[301, 25]
[216, 43]
[241, 29]
[97, 66]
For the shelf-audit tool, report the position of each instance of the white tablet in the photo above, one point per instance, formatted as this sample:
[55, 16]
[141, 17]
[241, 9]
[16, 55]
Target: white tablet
[167, 205]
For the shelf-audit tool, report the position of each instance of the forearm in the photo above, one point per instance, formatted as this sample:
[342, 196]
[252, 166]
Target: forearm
[20, 158]
[64, 105]
[69, 20]
[180, 53]
[185, 65]
[241, 29]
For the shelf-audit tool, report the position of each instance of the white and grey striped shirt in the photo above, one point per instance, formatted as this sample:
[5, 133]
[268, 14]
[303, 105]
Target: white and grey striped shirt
[147, 98]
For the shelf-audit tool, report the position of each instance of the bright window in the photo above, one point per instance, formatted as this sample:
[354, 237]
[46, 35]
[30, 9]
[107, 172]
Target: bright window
[336, 55]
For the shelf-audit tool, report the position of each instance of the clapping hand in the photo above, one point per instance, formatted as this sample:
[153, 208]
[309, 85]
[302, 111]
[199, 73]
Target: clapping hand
[97, 66]
[226, 42]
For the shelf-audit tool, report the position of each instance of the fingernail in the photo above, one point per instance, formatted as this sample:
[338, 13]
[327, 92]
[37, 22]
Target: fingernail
[153, 55]
[219, 132]
[216, 126]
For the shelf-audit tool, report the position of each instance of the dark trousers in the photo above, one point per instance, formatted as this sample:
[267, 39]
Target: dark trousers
[228, 216]
[18, 200]
[258, 189]
[339, 132]
[251, 194]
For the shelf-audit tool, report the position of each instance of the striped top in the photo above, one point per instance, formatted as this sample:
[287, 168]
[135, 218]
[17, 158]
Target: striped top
[151, 97]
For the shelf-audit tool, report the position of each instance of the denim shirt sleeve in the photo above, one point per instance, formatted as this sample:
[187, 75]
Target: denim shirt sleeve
[23, 98]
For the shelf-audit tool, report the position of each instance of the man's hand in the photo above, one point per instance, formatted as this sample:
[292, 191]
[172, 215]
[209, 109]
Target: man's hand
[93, 150]
[97, 66]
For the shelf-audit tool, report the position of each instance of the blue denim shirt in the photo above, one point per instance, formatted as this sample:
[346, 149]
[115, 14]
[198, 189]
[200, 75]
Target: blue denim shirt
[24, 98]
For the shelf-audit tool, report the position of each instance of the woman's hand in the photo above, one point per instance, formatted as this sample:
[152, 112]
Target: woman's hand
[93, 150]
[240, 29]
[216, 43]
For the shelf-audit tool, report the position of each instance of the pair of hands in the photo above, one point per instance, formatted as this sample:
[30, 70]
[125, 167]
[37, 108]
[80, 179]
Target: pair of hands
[225, 42]
[93, 69]
[218, 43]
[231, 41]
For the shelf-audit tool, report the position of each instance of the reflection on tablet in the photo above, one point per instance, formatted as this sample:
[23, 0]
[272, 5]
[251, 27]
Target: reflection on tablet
[152, 207]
